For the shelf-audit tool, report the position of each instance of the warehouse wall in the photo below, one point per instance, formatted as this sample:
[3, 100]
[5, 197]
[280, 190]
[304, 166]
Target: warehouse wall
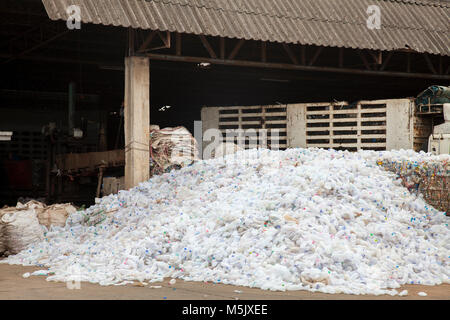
[399, 122]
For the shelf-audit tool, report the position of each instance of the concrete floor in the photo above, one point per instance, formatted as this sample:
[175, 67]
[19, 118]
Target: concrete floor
[14, 286]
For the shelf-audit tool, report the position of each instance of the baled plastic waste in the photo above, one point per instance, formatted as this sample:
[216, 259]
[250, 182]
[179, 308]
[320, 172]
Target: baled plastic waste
[21, 228]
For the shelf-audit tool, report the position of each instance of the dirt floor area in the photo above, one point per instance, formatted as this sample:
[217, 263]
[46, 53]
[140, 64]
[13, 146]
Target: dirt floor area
[14, 286]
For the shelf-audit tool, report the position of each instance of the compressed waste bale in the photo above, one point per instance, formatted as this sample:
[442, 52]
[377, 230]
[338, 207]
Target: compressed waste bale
[21, 228]
[55, 215]
[429, 176]
[12, 231]
[171, 148]
[36, 205]
[39, 207]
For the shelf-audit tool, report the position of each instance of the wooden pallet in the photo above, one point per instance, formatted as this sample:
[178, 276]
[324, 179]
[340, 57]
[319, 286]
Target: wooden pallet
[346, 126]
[250, 127]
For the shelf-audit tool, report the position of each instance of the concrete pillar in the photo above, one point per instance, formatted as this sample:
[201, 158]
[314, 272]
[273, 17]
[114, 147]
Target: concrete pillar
[137, 120]
[399, 124]
[296, 125]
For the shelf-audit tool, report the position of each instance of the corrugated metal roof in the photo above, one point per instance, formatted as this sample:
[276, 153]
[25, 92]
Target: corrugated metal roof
[422, 25]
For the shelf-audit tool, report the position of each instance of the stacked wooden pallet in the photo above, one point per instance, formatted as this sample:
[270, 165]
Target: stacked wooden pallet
[346, 126]
[253, 126]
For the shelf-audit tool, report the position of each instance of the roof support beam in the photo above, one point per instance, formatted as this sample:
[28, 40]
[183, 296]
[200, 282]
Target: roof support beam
[131, 41]
[148, 41]
[37, 46]
[429, 63]
[316, 55]
[385, 63]
[222, 48]
[290, 53]
[264, 51]
[178, 44]
[208, 46]
[236, 49]
[408, 62]
[285, 66]
[34, 38]
[377, 57]
[22, 35]
[165, 40]
[303, 54]
[364, 60]
[146, 44]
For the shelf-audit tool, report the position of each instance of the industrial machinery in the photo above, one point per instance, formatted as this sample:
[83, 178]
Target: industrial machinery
[439, 141]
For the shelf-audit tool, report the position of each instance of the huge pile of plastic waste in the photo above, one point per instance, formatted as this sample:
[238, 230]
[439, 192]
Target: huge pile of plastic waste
[300, 219]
